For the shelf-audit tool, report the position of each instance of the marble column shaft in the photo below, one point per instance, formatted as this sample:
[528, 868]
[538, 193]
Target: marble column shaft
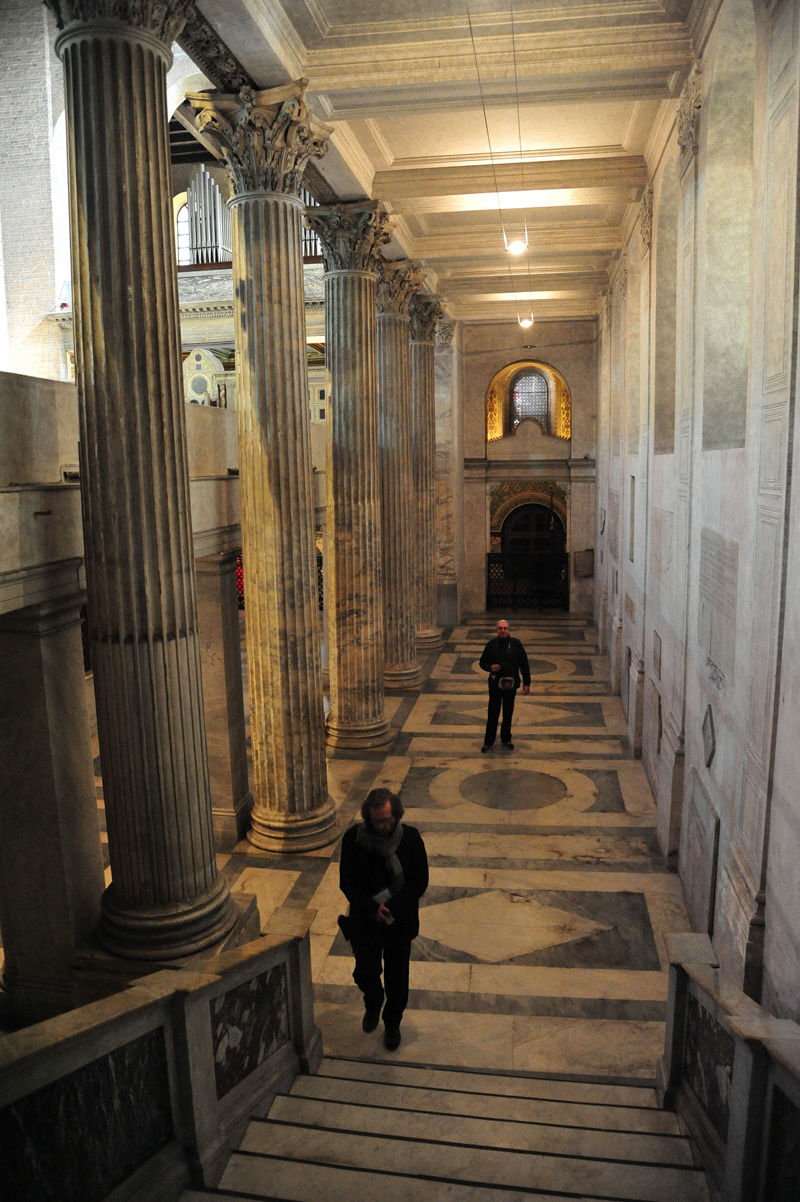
[51, 866]
[221, 660]
[350, 236]
[425, 313]
[266, 138]
[167, 897]
[397, 284]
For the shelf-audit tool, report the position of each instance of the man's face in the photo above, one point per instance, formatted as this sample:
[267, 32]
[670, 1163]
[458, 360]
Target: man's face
[381, 818]
[502, 630]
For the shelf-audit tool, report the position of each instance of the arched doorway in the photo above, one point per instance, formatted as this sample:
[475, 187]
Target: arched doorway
[532, 567]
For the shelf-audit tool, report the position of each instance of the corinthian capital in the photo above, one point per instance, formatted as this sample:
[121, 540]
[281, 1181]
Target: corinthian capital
[425, 312]
[164, 19]
[397, 283]
[689, 110]
[351, 234]
[266, 137]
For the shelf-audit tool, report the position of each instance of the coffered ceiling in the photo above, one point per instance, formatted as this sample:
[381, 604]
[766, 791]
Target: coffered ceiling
[549, 125]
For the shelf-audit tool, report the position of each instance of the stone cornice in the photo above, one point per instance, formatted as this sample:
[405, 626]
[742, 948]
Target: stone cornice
[265, 137]
[163, 21]
[351, 234]
[397, 283]
[425, 313]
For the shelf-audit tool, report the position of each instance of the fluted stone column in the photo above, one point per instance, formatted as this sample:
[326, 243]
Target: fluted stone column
[351, 236]
[425, 312]
[167, 898]
[266, 138]
[396, 285]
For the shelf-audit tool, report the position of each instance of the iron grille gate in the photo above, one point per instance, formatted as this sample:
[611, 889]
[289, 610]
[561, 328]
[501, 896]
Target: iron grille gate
[540, 582]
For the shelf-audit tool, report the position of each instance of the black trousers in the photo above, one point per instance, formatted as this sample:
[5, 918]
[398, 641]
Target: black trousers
[369, 949]
[498, 698]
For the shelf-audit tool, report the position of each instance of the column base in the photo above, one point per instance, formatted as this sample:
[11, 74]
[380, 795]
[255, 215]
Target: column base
[96, 973]
[166, 932]
[403, 676]
[272, 830]
[230, 826]
[359, 736]
[429, 638]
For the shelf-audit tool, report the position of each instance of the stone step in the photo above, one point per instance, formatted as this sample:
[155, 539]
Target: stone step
[491, 1083]
[488, 1106]
[484, 1167]
[480, 1132]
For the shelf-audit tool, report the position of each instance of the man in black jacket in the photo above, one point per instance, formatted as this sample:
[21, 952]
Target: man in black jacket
[383, 874]
[505, 660]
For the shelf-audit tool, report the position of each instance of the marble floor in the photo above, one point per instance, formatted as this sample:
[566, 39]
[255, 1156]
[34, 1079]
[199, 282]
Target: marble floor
[541, 946]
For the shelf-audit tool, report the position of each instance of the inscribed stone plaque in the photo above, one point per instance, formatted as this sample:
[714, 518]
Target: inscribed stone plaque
[613, 523]
[698, 857]
[657, 654]
[719, 575]
[630, 607]
[663, 526]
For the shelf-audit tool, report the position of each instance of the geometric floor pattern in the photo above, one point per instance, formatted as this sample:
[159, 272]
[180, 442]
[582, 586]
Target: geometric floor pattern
[541, 944]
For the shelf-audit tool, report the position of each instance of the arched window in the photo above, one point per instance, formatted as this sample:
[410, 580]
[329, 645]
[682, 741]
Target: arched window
[182, 233]
[528, 391]
[531, 399]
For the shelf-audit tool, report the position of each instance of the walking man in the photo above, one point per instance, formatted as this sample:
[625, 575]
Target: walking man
[383, 874]
[505, 660]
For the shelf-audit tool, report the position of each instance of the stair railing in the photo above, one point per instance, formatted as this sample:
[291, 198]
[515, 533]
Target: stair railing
[732, 1072]
[142, 1093]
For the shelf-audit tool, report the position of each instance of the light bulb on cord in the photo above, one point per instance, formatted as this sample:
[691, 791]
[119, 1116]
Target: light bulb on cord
[525, 322]
[517, 247]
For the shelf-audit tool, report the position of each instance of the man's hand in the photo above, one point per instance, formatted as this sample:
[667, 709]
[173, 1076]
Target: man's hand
[526, 688]
[495, 667]
[383, 914]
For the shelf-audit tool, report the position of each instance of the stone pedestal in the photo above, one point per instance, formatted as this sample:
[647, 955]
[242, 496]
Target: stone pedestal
[166, 897]
[266, 139]
[397, 284]
[221, 660]
[51, 867]
[425, 312]
[351, 236]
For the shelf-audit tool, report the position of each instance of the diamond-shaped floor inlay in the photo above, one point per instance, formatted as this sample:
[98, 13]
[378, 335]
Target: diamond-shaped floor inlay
[498, 925]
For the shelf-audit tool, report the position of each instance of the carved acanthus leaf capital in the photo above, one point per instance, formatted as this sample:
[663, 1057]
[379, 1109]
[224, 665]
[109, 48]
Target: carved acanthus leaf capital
[609, 309]
[622, 276]
[266, 137]
[444, 333]
[646, 221]
[425, 313]
[351, 234]
[689, 110]
[164, 19]
[397, 283]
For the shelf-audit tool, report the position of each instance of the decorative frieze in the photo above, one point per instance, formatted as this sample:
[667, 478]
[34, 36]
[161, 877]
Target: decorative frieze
[646, 219]
[266, 137]
[205, 47]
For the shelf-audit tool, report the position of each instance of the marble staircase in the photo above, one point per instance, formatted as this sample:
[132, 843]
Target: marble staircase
[401, 1133]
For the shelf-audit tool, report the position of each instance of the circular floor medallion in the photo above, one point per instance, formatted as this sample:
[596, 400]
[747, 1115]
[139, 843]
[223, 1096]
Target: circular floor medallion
[513, 789]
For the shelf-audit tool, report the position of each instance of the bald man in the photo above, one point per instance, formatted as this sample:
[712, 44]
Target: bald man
[505, 660]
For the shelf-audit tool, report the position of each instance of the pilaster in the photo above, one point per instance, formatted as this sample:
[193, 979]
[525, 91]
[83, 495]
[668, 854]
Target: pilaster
[266, 138]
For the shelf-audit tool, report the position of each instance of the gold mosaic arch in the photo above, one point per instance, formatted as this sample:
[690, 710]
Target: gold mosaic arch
[498, 400]
[509, 496]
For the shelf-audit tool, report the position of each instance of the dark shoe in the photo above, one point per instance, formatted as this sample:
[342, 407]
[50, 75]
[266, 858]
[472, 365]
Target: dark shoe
[486, 747]
[370, 1020]
[391, 1039]
[510, 746]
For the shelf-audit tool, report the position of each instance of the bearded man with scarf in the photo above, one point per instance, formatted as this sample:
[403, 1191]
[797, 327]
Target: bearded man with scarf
[383, 873]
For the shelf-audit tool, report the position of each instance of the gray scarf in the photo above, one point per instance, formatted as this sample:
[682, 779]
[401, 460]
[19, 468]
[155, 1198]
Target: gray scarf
[367, 840]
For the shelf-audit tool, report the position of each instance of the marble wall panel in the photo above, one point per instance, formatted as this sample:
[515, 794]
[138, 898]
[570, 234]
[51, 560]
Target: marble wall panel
[708, 1063]
[698, 856]
[783, 1157]
[75, 1140]
[248, 1024]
